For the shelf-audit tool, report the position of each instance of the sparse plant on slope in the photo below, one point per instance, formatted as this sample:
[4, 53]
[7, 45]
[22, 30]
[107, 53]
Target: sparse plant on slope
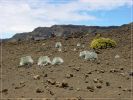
[57, 60]
[102, 43]
[58, 45]
[78, 44]
[88, 55]
[83, 53]
[44, 60]
[26, 61]
[91, 56]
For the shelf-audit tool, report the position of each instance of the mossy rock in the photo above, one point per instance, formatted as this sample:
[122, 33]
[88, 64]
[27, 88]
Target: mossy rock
[103, 43]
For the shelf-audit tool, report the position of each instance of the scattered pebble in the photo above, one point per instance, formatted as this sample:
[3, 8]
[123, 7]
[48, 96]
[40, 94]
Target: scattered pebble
[71, 88]
[95, 80]
[69, 75]
[121, 68]
[117, 56]
[123, 74]
[114, 70]
[107, 84]
[89, 73]
[52, 93]
[119, 87]
[77, 68]
[78, 89]
[36, 77]
[86, 75]
[45, 75]
[126, 89]
[4, 91]
[64, 84]
[86, 81]
[22, 82]
[58, 84]
[18, 87]
[98, 62]
[131, 74]
[90, 88]
[38, 90]
[99, 85]
[43, 44]
[51, 81]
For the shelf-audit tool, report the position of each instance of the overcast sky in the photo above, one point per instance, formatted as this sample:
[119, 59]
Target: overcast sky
[18, 16]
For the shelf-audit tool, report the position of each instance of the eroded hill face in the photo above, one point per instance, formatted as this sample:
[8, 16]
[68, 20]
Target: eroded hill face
[108, 77]
[61, 30]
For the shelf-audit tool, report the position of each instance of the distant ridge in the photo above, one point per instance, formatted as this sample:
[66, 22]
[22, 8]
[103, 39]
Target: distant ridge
[41, 33]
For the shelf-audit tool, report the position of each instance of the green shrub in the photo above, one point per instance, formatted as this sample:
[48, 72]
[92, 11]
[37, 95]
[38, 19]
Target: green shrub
[102, 43]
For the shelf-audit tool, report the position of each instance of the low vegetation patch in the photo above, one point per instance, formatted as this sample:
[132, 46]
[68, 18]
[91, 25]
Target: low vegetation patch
[102, 43]
[26, 61]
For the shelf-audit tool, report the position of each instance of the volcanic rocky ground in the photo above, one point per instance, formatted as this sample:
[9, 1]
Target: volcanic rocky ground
[106, 78]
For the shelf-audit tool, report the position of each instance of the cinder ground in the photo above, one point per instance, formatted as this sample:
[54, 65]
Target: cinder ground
[105, 78]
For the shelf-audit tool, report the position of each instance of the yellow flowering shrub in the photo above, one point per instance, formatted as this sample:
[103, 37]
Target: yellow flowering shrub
[102, 43]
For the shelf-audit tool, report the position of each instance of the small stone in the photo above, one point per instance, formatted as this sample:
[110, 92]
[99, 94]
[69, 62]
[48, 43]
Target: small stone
[4, 91]
[129, 90]
[71, 88]
[89, 73]
[20, 86]
[43, 44]
[78, 89]
[99, 86]
[22, 82]
[100, 81]
[122, 74]
[125, 89]
[119, 94]
[45, 75]
[119, 87]
[51, 81]
[107, 84]
[107, 63]
[52, 93]
[95, 80]
[90, 88]
[77, 68]
[102, 71]
[69, 75]
[36, 77]
[86, 75]
[117, 56]
[98, 62]
[86, 81]
[121, 68]
[64, 84]
[58, 84]
[131, 74]
[113, 70]
[38, 90]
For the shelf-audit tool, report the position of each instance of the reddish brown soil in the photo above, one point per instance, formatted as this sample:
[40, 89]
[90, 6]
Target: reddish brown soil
[20, 83]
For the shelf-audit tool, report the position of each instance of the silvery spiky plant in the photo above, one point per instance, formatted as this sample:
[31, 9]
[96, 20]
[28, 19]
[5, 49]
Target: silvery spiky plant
[83, 53]
[58, 45]
[88, 55]
[26, 61]
[78, 44]
[91, 56]
[44, 60]
[57, 60]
